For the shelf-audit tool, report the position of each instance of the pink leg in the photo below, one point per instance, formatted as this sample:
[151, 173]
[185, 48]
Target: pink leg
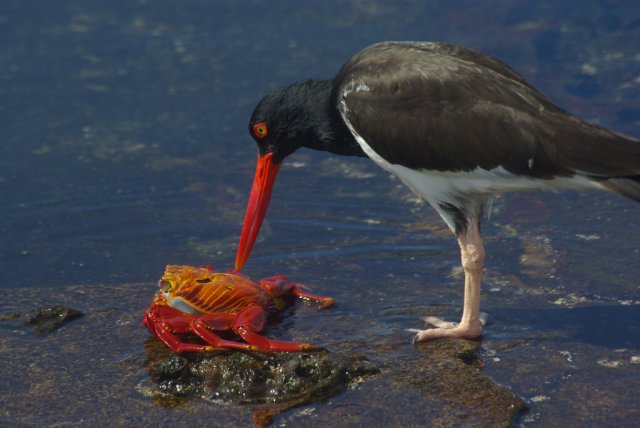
[470, 326]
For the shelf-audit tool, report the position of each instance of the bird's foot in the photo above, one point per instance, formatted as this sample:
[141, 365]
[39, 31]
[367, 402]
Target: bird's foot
[466, 330]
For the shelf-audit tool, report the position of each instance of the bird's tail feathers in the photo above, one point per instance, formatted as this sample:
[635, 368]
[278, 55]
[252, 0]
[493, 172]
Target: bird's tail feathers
[625, 186]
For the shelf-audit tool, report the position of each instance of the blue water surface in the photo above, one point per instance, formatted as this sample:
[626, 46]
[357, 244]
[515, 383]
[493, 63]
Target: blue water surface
[123, 124]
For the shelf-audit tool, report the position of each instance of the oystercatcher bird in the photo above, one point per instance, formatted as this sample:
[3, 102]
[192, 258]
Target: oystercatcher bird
[456, 126]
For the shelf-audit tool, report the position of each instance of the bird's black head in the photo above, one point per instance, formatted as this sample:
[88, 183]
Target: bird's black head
[275, 125]
[300, 115]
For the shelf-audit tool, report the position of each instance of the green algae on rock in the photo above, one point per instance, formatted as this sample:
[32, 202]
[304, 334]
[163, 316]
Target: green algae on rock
[290, 378]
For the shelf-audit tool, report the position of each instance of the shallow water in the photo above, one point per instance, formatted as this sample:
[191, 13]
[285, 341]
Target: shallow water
[123, 147]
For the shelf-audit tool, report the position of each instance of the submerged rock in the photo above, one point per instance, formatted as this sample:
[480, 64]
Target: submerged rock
[291, 378]
[450, 370]
[9, 316]
[50, 318]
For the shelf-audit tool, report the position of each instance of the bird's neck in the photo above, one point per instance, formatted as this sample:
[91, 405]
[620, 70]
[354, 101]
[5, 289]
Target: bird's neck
[328, 130]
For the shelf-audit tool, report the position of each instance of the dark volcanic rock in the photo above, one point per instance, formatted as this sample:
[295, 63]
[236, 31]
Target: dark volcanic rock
[290, 378]
[51, 318]
[450, 369]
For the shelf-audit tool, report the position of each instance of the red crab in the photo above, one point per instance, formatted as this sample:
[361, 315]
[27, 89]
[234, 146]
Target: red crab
[202, 301]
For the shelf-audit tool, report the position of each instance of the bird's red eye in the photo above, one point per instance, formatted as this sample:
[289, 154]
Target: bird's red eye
[260, 130]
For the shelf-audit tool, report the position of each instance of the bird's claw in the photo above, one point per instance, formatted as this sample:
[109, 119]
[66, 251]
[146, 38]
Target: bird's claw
[449, 329]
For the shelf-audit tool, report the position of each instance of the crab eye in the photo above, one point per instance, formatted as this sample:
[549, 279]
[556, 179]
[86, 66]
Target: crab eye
[164, 286]
[260, 130]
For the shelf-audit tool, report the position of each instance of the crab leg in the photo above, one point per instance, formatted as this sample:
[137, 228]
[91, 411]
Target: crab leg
[301, 294]
[263, 344]
[174, 342]
[199, 327]
[250, 320]
[298, 290]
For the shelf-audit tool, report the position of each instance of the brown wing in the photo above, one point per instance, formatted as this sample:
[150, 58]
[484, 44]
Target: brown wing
[454, 109]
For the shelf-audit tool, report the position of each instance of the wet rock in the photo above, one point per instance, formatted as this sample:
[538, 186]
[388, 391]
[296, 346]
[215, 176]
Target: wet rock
[167, 369]
[450, 370]
[9, 316]
[289, 378]
[50, 318]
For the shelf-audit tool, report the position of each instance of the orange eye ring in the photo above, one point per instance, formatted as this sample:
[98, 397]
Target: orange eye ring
[260, 130]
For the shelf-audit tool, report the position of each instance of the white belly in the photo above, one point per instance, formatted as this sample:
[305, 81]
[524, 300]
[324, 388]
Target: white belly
[453, 187]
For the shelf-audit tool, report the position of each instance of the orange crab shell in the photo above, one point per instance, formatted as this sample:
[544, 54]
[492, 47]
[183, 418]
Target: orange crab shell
[207, 291]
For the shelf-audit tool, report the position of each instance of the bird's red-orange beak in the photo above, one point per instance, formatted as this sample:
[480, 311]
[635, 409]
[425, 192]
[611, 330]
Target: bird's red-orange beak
[263, 182]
